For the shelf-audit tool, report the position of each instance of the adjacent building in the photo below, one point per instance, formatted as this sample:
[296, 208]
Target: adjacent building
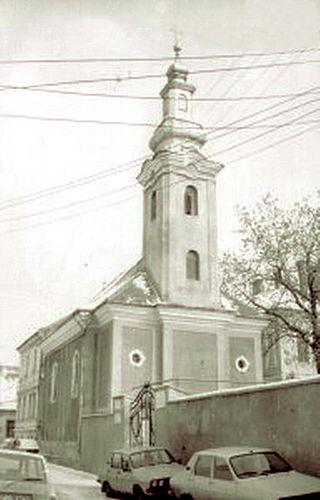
[9, 375]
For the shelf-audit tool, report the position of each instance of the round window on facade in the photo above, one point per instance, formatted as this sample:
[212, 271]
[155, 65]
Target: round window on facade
[136, 357]
[242, 364]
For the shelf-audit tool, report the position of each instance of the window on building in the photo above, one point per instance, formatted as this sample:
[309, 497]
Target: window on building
[53, 382]
[10, 424]
[204, 466]
[75, 375]
[153, 211]
[182, 102]
[191, 201]
[193, 265]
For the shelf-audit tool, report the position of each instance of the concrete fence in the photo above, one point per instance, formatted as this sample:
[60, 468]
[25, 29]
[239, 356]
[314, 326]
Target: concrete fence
[282, 415]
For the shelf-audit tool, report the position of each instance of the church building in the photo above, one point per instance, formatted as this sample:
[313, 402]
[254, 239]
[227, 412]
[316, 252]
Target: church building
[162, 322]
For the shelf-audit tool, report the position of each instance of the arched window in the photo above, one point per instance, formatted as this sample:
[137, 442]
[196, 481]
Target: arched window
[75, 375]
[53, 382]
[193, 265]
[191, 201]
[182, 102]
[153, 207]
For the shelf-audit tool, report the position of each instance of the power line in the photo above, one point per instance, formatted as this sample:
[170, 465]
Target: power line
[153, 59]
[280, 141]
[131, 186]
[151, 98]
[100, 175]
[161, 75]
[262, 134]
[69, 185]
[114, 123]
[264, 110]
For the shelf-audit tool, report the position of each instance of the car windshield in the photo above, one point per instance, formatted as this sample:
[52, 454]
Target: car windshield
[151, 457]
[257, 464]
[21, 468]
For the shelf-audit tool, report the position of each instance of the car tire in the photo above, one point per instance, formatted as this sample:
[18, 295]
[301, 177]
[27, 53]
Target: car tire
[108, 490]
[138, 493]
[185, 496]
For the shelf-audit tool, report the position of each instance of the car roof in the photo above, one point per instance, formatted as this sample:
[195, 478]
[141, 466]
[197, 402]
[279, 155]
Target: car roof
[138, 449]
[21, 454]
[25, 441]
[229, 451]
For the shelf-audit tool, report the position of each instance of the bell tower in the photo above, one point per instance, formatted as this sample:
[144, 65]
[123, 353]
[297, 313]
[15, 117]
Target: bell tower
[180, 227]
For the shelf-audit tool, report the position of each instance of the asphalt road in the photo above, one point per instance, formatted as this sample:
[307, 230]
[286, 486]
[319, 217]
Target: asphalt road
[71, 484]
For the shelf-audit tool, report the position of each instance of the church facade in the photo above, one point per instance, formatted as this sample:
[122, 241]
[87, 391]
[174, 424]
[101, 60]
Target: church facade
[162, 322]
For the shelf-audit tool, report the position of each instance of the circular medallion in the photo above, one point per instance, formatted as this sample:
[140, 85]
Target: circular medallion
[136, 357]
[242, 364]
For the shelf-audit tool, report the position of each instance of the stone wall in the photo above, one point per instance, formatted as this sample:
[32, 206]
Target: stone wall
[282, 415]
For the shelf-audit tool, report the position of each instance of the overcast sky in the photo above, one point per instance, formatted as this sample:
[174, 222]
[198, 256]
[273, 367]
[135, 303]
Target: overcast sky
[70, 208]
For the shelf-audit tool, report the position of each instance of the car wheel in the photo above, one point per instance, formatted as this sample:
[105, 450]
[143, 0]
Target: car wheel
[185, 496]
[108, 490]
[138, 493]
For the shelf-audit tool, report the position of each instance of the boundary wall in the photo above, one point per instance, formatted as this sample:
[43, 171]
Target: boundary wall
[282, 415]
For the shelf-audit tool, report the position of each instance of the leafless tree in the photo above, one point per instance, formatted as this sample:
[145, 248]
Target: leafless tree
[277, 267]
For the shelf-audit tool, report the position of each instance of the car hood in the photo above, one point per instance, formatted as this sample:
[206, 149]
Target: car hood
[157, 471]
[281, 484]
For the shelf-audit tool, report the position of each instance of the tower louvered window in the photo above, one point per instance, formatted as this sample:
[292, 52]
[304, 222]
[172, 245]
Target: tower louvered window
[193, 265]
[191, 201]
[153, 207]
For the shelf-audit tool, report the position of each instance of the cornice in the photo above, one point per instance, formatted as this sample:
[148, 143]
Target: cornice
[173, 128]
[185, 315]
[192, 166]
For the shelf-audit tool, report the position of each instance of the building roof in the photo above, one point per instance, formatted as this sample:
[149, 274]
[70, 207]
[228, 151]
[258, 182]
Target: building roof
[135, 287]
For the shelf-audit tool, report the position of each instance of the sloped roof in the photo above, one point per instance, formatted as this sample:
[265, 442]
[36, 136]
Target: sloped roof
[135, 287]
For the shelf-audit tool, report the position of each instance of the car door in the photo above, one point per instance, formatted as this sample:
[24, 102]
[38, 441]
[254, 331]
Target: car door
[125, 475]
[223, 482]
[199, 484]
[114, 475]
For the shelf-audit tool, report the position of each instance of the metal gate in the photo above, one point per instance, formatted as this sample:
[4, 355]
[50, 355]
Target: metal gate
[141, 420]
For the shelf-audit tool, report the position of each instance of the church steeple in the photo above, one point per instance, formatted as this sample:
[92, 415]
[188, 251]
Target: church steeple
[180, 231]
[177, 108]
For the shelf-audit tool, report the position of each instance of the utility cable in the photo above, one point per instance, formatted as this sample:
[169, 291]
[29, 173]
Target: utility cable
[161, 75]
[154, 59]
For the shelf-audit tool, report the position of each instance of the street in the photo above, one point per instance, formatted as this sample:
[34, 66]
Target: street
[71, 484]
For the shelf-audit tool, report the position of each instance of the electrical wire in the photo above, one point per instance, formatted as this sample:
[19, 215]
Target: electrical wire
[36, 195]
[102, 174]
[117, 202]
[161, 75]
[153, 59]
[152, 98]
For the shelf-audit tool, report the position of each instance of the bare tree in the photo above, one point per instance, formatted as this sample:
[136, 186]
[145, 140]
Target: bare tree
[277, 268]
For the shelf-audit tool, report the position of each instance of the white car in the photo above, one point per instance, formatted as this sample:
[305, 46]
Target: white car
[23, 476]
[242, 474]
[142, 472]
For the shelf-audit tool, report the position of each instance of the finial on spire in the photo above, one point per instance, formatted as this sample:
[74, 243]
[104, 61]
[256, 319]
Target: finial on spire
[177, 49]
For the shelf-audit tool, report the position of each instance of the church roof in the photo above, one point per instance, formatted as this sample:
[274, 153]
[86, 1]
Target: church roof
[135, 287]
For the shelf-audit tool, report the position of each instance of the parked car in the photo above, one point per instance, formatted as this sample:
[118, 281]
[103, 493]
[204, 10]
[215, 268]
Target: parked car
[242, 474]
[21, 444]
[142, 472]
[24, 476]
